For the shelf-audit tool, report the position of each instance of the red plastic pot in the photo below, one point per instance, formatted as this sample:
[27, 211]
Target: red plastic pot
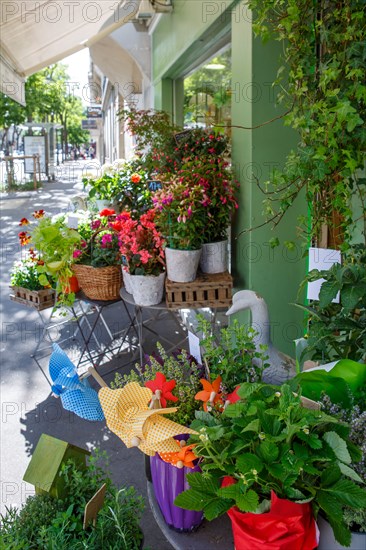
[73, 285]
[287, 526]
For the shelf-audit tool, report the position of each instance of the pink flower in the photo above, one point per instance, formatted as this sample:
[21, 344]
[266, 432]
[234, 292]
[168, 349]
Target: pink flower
[76, 253]
[106, 240]
[95, 224]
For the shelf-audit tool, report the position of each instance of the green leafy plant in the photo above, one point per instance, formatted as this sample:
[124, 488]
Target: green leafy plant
[180, 367]
[45, 522]
[321, 85]
[231, 354]
[338, 330]
[25, 273]
[268, 441]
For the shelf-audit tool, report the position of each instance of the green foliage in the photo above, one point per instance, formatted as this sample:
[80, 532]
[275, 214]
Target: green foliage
[338, 331]
[268, 441]
[322, 86]
[231, 354]
[180, 367]
[45, 523]
[25, 273]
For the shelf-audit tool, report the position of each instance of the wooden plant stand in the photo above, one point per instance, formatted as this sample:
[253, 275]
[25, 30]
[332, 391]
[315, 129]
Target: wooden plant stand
[206, 291]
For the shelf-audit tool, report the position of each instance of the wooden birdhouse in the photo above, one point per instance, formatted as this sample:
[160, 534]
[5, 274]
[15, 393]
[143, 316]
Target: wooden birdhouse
[45, 465]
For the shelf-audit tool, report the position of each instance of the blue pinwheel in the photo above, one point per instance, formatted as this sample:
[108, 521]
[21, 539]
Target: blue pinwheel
[76, 395]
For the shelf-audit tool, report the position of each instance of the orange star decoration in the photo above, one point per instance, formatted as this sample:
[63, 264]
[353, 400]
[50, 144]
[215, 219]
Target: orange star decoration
[183, 457]
[210, 395]
[128, 416]
[24, 221]
[233, 397]
[162, 389]
[38, 214]
[24, 238]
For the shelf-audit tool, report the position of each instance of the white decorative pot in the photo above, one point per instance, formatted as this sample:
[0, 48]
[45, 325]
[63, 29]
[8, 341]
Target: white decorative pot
[126, 280]
[214, 257]
[328, 542]
[147, 290]
[182, 265]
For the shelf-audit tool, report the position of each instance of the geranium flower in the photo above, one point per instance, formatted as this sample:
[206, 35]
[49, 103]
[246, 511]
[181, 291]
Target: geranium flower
[106, 240]
[24, 238]
[165, 388]
[76, 253]
[107, 212]
[24, 221]
[135, 178]
[210, 395]
[38, 214]
[95, 224]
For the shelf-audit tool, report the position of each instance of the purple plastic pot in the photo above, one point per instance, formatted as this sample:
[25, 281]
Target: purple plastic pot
[168, 482]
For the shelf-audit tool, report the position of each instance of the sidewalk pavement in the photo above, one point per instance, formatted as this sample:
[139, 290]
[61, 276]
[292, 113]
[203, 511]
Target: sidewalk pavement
[27, 407]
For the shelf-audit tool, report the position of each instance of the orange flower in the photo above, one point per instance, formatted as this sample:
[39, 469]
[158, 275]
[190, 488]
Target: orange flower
[38, 214]
[24, 238]
[210, 395]
[24, 221]
[135, 178]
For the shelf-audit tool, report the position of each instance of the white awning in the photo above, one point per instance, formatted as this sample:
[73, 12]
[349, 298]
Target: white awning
[35, 34]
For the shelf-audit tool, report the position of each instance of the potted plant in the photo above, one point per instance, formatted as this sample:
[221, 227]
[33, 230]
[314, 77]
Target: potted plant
[271, 447]
[173, 379]
[98, 259]
[181, 218]
[55, 242]
[25, 285]
[132, 193]
[102, 188]
[141, 246]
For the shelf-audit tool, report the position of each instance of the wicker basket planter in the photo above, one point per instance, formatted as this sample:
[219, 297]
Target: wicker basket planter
[99, 283]
[38, 299]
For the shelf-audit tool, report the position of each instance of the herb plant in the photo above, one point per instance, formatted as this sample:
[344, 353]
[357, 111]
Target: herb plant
[269, 441]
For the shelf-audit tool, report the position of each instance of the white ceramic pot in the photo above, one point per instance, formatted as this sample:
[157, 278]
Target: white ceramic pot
[126, 280]
[182, 265]
[147, 290]
[328, 542]
[214, 257]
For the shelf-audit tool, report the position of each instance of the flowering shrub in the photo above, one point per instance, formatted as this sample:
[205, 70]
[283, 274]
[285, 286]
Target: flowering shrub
[141, 244]
[99, 246]
[181, 214]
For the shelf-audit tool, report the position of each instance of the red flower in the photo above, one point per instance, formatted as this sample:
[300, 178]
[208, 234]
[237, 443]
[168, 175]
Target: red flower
[107, 212]
[210, 395]
[135, 178]
[160, 383]
[24, 221]
[233, 397]
[38, 214]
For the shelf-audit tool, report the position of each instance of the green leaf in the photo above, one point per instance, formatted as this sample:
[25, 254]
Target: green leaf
[216, 433]
[268, 451]
[248, 462]
[277, 470]
[351, 295]
[338, 445]
[341, 533]
[216, 507]
[330, 476]
[207, 484]
[347, 471]
[231, 492]
[348, 493]
[253, 426]
[328, 291]
[247, 502]
[191, 500]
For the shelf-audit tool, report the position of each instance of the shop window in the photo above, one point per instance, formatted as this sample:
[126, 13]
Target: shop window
[207, 94]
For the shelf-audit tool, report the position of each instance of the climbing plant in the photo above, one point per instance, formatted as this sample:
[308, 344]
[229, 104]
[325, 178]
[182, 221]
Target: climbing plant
[322, 83]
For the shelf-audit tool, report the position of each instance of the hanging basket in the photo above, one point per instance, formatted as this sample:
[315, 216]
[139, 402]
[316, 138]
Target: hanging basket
[99, 283]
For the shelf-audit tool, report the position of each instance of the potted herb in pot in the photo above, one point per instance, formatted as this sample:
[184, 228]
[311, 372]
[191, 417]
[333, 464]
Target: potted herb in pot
[174, 379]
[181, 218]
[276, 454]
[141, 246]
[103, 188]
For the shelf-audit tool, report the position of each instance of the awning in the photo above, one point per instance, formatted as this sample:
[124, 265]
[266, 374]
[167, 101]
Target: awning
[35, 34]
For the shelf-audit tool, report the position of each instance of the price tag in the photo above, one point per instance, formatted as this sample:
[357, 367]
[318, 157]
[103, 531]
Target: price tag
[154, 185]
[194, 347]
[72, 222]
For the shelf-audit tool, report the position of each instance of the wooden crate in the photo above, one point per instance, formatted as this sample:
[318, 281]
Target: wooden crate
[38, 299]
[206, 291]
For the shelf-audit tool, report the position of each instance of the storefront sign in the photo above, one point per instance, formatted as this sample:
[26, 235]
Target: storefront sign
[34, 145]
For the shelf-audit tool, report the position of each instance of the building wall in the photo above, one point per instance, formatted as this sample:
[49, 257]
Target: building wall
[180, 39]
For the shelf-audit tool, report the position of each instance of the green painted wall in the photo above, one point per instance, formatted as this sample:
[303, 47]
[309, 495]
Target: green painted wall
[275, 274]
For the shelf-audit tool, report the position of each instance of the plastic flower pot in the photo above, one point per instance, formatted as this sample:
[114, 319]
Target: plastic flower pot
[168, 482]
[73, 285]
[287, 526]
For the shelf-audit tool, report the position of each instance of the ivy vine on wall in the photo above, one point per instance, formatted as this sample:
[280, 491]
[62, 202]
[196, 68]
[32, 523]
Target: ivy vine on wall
[323, 88]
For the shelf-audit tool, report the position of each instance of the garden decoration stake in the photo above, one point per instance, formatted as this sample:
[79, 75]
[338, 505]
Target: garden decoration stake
[76, 395]
[130, 418]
